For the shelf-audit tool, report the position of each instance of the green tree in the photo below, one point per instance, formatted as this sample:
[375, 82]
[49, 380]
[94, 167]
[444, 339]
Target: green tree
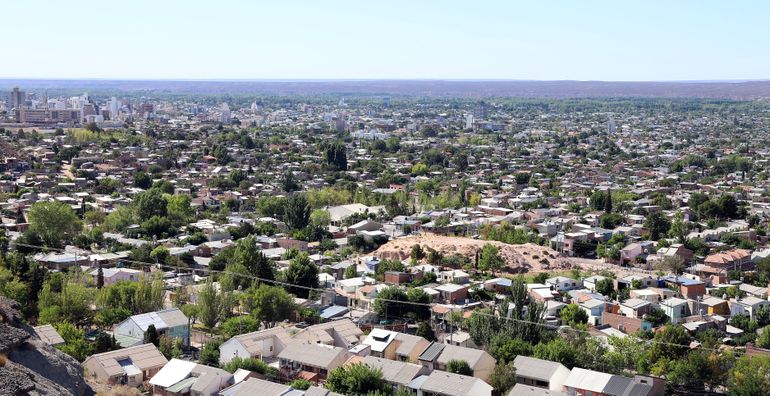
[356, 380]
[425, 331]
[252, 364]
[209, 354]
[351, 272]
[749, 377]
[657, 225]
[179, 210]
[301, 274]
[301, 384]
[490, 259]
[269, 304]
[151, 336]
[297, 212]
[763, 341]
[53, 221]
[417, 253]
[503, 378]
[459, 367]
[107, 317]
[573, 315]
[505, 349]
[75, 344]
[679, 229]
[239, 325]
[213, 305]
[100, 277]
[142, 180]
[391, 302]
[336, 155]
[149, 203]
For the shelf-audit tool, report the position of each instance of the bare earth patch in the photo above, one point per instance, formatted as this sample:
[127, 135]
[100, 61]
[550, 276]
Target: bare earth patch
[519, 258]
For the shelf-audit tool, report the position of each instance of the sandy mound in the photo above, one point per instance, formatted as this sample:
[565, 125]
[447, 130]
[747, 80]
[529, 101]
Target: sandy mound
[519, 258]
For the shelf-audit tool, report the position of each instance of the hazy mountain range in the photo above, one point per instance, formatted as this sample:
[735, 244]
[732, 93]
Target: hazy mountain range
[432, 88]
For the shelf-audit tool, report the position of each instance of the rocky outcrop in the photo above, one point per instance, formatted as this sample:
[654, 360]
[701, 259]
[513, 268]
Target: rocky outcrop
[28, 366]
[518, 258]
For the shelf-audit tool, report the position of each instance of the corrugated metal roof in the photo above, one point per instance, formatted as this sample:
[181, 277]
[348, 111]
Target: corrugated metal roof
[182, 386]
[432, 351]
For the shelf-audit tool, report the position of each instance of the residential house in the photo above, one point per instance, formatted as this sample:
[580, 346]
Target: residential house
[481, 362]
[562, 283]
[261, 344]
[396, 373]
[713, 306]
[590, 282]
[688, 287]
[594, 308]
[747, 306]
[734, 259]
[410, 347]
[113, 275]
[650, 295]
[316, 359]
[442, 383]
[341, 333]
[588, 382]
[521, 389]
[676, 250]
[751, 290]
[635, 308]
[451, 293]
[128, 366]
[675, 308]
[630, 280]
[541, 292]
[498, 285]
[455, 276]
[183, 378]
[541, 373]
[382, 343]
[169, 322]
[613, 318]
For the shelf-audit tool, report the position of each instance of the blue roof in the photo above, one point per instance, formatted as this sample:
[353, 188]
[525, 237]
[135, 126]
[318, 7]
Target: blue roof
[504, 282]
[332, 311]
[682, 280]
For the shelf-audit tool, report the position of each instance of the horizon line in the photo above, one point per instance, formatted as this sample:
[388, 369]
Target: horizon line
[311, 80]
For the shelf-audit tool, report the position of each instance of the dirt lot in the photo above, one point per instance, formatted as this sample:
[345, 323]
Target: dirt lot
[519, 258]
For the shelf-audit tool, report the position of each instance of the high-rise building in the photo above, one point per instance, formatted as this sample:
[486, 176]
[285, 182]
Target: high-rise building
[340, 123]
[469, 121]
[611, 127]
[225, 116]
[114, 107]
[17, 98]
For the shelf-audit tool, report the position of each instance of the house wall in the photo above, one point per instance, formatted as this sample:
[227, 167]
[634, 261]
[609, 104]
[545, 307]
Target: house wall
[129, 328]
[390, 351]
[95, 370]
[623, 323]
[178, 332]
[414, 354]
[230, 349]
[693, 291]
[484, 367]
[481, 389]
[719, 309]
[674, 313]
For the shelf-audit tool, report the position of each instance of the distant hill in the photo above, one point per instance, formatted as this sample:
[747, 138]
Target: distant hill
[741, 90]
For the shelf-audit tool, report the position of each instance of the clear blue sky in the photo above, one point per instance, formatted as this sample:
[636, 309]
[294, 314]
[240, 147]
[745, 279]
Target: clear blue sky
[471, 39]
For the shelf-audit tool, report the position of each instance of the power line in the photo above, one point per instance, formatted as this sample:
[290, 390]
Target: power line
[429, 305]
